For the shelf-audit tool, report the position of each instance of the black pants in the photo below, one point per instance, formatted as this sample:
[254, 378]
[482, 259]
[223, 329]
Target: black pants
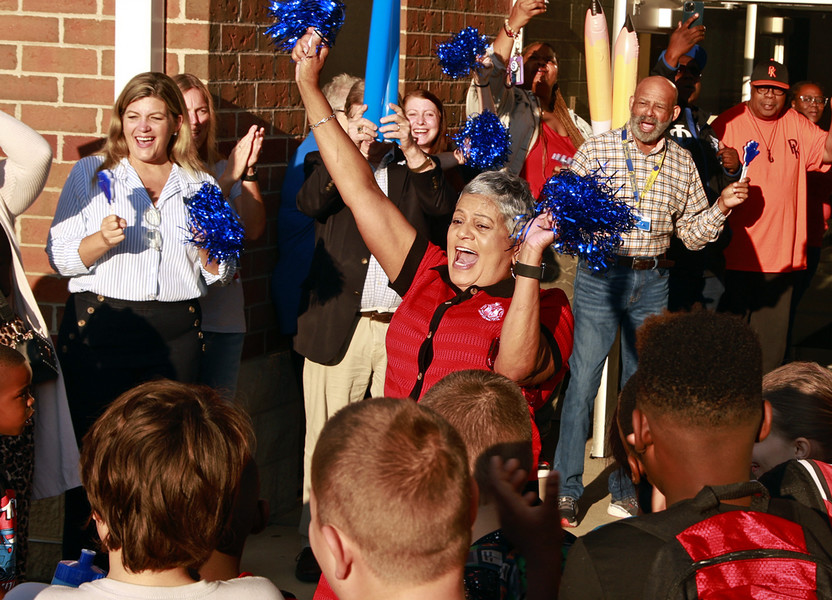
[107, 347]
[763, 301]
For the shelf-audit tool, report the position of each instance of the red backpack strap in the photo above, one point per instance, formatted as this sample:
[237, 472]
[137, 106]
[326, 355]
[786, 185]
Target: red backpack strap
[821, 474]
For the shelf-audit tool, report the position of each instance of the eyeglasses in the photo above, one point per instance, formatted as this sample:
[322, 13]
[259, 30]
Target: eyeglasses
[153, 217]
[764, 89]
[819, 100]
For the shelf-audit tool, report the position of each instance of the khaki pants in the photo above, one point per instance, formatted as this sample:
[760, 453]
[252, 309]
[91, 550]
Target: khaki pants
[327, 389]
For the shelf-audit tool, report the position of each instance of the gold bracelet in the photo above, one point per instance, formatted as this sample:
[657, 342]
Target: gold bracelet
[418, 169]
[322, 121]
[510, 32]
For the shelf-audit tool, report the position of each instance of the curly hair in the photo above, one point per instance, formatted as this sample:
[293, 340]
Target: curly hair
[703, 367]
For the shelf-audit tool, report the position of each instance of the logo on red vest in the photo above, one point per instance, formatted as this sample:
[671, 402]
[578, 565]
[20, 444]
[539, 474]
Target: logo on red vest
[493, 312]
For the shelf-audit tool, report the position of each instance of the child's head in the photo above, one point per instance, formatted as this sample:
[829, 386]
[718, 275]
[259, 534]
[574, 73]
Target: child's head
[161, 468]
[698, 391]
[390, 483]
[490, 413]
[800, 394]
[15, 392]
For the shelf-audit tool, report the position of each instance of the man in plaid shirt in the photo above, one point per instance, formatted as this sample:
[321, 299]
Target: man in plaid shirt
[658, 178]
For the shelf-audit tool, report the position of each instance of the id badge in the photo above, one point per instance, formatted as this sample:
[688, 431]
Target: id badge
[515, 70]
[642, 223]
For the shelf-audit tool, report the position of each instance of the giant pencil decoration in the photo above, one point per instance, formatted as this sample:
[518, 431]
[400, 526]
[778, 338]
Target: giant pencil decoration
[598, 74]
[625, 72]
[381, 76]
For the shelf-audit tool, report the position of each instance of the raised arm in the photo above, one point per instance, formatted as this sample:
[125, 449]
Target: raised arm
[525, 355]
[827, 150]
[23, 174]
[386, 232]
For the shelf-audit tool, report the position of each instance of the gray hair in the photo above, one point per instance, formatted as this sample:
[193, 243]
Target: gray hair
[337, 89]
[509, 193]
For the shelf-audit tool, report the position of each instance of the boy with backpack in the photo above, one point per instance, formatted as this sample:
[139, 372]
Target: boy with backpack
[699, 410]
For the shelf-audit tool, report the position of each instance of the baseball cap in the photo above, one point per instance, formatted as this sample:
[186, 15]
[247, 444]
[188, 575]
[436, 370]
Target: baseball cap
[771, 73]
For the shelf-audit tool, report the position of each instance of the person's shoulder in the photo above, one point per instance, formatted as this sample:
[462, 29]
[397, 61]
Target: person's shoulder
[253, 587]
[730, 114]
[61, 591]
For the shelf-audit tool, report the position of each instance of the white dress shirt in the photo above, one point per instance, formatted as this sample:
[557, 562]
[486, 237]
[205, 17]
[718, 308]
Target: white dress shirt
[139, 268]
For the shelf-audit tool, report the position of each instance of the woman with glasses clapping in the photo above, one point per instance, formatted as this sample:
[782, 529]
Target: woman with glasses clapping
[135, 280]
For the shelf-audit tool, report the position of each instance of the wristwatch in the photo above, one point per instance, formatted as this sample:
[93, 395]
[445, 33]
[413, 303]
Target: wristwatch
[522, 270]
[252, 177]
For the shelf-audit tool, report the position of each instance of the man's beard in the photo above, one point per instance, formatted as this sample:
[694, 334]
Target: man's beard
[648, 138]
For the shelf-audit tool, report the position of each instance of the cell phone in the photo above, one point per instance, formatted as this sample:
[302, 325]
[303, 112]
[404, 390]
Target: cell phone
[691, 7]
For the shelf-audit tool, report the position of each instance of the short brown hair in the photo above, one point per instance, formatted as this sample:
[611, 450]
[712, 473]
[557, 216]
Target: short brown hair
[393, 475]
[800, 394]
[181, 149]
[490, 413]
[703, 367]
[161, 466]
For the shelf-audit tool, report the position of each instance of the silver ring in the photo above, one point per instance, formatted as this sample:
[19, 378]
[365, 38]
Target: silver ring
[360, 129]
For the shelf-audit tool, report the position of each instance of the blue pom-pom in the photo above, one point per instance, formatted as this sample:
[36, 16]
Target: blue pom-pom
[295, 16]
[458, 56]
[484, 141]
[590, 221]
[214, 226]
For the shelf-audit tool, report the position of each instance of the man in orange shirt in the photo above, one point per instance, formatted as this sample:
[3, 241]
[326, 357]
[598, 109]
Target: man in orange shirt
[768, 243]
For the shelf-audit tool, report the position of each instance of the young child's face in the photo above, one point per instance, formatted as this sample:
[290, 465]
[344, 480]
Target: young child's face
[16, 399]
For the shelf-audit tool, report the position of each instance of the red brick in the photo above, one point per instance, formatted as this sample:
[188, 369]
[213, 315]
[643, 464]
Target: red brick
[255, 12]
[108, 8]
[9, 109]
[45, 205]
[199, 10]
[30, 29]
[173, 8]
[256, 289]
[8, 57]
[197, 64]
[246, 119]
[108, 63]
[77, 147]
[52, 59]
[35, 260]
[49, 288]
[90, 32]
[273, 95]
[29, 88]
[8, 4]
[227, 123]
[87, 7]
[260, 317]
[187, 36]
[172, 64]
[257, 67]
[225, 12]
[65, 118]
[57, 175]
[85, 90]
[223, 67]
[33, 230]
[239, 38]
[237, 95]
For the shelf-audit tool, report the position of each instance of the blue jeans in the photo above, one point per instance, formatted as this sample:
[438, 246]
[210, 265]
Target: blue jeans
[602, 302]
[221, 362]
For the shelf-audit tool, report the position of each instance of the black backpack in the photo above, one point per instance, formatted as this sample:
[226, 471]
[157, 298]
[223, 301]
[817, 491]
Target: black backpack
[776, 549]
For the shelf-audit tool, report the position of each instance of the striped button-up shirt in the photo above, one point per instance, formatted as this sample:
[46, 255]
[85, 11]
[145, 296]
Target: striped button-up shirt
[675, 202]
[153, 262]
